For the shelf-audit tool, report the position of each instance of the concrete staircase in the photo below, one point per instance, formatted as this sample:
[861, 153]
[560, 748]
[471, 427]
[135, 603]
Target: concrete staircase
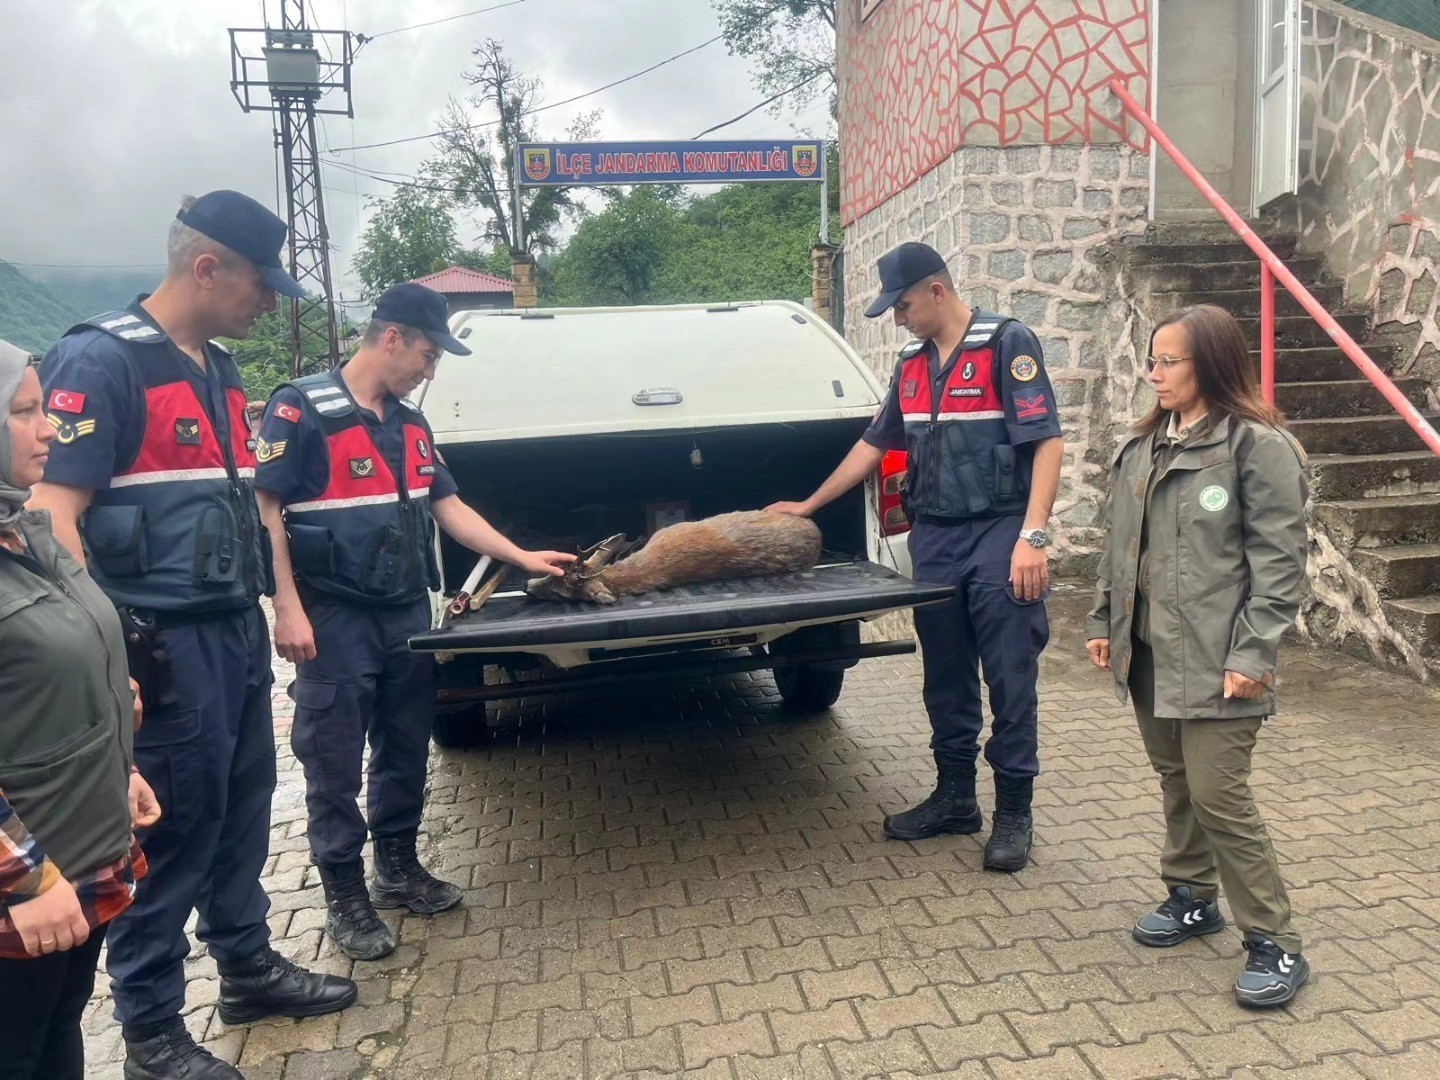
[1375, 518]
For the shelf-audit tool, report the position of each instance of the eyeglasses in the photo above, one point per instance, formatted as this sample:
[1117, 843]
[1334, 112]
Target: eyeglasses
[1166, 362]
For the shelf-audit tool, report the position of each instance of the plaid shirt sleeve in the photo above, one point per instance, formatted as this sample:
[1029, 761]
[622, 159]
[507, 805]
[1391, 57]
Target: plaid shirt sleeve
[25, 872]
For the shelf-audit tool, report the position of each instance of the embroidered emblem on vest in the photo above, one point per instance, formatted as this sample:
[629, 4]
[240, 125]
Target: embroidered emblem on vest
[67, 433]
[187, 432]
[909, 388]
[361, 467]
[968, 371]
[967, 391]
[426, 470]
[422, 448]
[1024, 368]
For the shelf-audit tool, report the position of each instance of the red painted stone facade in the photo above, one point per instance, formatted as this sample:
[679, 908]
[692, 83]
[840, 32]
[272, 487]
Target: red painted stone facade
[921, 78]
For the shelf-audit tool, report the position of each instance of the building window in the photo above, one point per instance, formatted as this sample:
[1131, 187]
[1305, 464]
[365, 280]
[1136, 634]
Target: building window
[867, 7]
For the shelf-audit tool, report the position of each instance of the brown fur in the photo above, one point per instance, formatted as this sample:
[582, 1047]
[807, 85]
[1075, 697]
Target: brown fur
[743, 544]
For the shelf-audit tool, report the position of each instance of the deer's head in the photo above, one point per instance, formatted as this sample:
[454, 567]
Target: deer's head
[582, 580]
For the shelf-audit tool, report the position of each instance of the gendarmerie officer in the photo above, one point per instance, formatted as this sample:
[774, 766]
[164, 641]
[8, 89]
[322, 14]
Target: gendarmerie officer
[349, 480]
[151, 481]
[971, 403]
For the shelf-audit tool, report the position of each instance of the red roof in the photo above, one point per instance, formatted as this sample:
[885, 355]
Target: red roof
[457, 279]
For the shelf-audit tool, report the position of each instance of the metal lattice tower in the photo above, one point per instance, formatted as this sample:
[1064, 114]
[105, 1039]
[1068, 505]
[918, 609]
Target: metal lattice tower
[299, 79]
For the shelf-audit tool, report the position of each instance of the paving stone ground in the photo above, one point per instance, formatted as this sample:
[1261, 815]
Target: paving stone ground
[680, 880]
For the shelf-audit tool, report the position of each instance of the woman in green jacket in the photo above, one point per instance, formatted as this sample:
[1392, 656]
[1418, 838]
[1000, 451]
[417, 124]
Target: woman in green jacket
[69, 796]
[1203, 570]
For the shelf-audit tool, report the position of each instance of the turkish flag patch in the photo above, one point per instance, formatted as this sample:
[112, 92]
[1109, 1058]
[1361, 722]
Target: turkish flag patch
[287, 412]
[66, 401]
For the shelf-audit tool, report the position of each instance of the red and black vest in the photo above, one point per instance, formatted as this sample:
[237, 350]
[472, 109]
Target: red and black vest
[178, 529]
[369, 535]
[961, 463]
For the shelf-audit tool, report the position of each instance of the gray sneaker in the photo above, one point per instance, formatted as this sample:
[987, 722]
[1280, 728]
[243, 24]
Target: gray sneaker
[1182, 916]
[1271, 976]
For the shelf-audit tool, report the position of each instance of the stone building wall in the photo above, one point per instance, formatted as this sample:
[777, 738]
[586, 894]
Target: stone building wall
[1027, 231]
[1369, 198]
[987, 129]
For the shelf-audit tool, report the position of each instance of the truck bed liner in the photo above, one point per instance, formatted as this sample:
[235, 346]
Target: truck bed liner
[827, 592]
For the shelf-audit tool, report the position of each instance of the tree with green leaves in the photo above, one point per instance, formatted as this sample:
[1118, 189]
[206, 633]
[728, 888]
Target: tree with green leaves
[476, 163]
[265, 357]
[410, 234]
[789, 43]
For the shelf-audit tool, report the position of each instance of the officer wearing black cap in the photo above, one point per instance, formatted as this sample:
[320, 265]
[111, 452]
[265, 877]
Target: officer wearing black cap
[151, 482]
[972, 405]
[350, 481]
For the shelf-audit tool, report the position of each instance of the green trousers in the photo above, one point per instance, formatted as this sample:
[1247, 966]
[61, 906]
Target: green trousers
[1214, 837]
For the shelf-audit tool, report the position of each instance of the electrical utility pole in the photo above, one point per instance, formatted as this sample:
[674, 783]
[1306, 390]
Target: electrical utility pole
[301, 85]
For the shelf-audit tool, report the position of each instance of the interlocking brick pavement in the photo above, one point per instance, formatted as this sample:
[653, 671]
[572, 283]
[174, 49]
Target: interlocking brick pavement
[680, 880]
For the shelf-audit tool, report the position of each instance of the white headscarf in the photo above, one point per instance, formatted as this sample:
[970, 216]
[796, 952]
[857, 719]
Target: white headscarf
[13, 362]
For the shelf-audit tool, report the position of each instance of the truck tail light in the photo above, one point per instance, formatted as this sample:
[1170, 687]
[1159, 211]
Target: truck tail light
[889, 485]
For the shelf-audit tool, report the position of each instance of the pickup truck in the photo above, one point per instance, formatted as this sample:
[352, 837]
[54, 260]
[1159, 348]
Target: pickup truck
[566, 426]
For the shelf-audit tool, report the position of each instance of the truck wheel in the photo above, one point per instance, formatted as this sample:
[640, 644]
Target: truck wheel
[459, 729]
[808, 689]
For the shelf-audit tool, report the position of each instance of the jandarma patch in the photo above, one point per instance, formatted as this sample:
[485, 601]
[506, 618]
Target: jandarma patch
[1214, 498]
[1024, 368]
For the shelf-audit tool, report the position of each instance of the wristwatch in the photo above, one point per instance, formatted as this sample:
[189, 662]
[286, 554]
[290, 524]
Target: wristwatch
[1036, 538]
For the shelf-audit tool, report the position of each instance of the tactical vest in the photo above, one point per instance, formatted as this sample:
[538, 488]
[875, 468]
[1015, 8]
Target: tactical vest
[178, 529]
[961, 463]
[369, 535]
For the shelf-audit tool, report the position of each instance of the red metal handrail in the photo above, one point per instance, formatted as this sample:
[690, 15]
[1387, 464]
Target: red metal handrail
[1271, 270]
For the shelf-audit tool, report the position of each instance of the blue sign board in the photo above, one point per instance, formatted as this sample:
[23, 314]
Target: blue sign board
[717, 162]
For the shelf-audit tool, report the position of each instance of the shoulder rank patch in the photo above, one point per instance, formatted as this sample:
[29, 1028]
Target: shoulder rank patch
[266, 451]
[911, 349]
[361, 467]
[187, 432]
[287, 412]
[1030, 406]
[1024, 368]
[66, 432]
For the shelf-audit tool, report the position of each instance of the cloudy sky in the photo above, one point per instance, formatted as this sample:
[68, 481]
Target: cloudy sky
[110, 111]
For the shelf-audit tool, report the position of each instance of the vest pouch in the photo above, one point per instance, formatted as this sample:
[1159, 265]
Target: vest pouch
[219, 554]
[384, 573]
[117, 540]
[1007, 481]
[312, 550]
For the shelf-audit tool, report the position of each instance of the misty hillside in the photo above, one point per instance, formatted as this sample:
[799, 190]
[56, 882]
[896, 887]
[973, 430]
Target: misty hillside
[31, 314]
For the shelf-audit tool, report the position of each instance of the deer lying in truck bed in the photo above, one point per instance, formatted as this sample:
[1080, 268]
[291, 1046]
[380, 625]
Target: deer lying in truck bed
[743, 544]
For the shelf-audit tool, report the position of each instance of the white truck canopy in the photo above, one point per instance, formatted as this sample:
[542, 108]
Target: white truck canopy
[585, 371]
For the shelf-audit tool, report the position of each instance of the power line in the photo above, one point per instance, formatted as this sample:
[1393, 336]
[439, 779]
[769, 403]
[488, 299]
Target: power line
[82, 266]
[768, 101]
[365, 39]
[542, 108]
[410, 183]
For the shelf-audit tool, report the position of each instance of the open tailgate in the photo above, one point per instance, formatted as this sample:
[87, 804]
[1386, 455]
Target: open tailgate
[518, 623]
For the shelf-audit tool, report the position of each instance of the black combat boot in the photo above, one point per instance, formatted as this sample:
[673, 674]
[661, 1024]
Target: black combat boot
[167, 1052]
[400, 880]
[1008, 848]
[267, 984]
[350, 919]
[951, 807]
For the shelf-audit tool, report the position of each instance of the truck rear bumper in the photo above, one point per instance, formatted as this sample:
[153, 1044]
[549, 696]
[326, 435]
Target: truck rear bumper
[714, 615]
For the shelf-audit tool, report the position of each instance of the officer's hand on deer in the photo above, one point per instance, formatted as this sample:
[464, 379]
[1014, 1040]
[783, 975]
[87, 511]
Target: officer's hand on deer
[548, 563]
[294, 637]
[1029, 571]
[1099, 650]
[794, 509]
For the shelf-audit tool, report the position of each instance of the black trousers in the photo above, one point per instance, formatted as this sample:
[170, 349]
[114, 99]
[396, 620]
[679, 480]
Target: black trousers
[41, 1003]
